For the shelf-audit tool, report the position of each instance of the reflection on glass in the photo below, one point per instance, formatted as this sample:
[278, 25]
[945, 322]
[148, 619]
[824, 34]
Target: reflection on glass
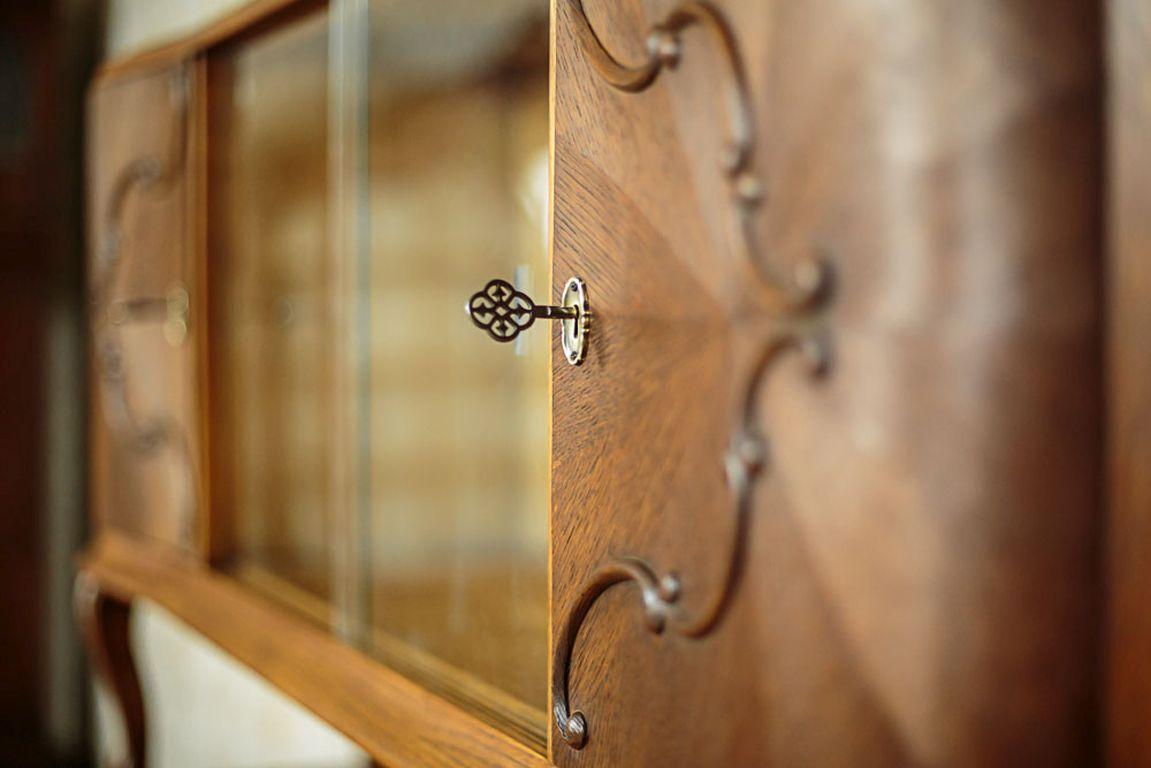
[458, 436]
[433, 552]
[271, 395]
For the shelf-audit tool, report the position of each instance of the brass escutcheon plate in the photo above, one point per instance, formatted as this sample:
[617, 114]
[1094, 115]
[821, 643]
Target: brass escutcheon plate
[574, 331]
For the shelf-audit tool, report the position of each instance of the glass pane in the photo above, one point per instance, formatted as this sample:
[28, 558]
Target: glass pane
[458, 441]
[269, 274]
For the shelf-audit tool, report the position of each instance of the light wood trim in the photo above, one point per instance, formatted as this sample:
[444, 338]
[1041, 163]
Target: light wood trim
[273, 586]
[522, 722]
[245, 20]
[206, 536]
[555, 353]
[395, 720]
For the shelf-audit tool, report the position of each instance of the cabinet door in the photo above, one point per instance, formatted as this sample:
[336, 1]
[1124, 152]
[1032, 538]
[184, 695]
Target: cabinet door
[825, 488]
[144, 437]
[450, 431]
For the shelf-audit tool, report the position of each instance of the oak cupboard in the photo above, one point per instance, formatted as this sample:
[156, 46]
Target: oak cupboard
[797, 451]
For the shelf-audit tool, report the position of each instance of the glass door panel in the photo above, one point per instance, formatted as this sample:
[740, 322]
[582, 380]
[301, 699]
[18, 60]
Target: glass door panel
[376, 461]
[269, 272]
[457, 448]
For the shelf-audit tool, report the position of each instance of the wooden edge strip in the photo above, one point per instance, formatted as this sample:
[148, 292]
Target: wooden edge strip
[244, 20]
[394, 719]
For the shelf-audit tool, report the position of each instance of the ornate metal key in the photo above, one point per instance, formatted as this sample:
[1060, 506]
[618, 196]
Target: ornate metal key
[505, 313]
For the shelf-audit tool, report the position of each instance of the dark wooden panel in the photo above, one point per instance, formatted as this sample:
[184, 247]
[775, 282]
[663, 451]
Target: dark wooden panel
[28, 258]
[143, 438]
[1128, 668]
[918, 583]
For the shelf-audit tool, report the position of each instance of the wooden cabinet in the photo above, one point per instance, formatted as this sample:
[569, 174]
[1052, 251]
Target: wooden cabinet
[826, 487]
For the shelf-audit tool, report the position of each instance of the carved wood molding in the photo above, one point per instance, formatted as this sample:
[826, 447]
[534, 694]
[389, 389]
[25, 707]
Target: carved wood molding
[144, 434]
[798, 302]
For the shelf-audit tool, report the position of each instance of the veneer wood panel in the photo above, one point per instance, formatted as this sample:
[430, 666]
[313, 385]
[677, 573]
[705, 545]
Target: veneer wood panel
[918, 581]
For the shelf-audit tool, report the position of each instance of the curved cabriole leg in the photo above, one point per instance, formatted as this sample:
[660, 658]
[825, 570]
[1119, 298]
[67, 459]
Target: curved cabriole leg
[104, 622]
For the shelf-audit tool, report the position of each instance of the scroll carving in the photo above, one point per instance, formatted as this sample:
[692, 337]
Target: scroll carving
[144, 434]
[798, 300]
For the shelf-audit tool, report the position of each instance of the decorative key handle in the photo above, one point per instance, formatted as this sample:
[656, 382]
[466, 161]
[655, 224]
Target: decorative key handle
[505, 313]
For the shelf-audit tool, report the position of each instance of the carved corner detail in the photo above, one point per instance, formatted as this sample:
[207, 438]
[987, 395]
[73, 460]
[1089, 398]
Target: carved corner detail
[799, 300]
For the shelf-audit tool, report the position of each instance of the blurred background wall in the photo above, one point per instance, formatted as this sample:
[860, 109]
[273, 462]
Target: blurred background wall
[137, 24]
[206, 710]
[46, 51]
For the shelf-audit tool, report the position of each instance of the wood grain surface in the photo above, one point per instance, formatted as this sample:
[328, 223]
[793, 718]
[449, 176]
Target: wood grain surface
[1128, 670]
[920, 581]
